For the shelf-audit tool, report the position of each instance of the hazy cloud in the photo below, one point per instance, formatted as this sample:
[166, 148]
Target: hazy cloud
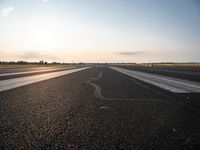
[35, 55]
[45, 0]
[5, 12]
[129, 53]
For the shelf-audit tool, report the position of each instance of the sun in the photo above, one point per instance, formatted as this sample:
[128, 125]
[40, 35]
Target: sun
[45, 33]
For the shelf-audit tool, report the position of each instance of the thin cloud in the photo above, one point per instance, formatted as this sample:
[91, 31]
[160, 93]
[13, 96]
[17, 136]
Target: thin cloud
[127, 53]
[28, 55]
[45, 0]
[5, 12]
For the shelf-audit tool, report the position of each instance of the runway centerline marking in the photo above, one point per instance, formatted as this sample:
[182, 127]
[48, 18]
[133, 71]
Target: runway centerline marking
[174, 85]
[18, 82]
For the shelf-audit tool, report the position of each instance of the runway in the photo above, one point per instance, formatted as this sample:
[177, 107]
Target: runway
[11, 73]
[34, 71]
[168, 83]
[96, 108]
[17, 82]
[186, 73]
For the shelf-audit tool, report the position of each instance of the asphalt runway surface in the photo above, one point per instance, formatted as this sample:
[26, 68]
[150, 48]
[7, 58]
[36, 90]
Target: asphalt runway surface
[98, 108]
[174, 85]
[10, 73]
[25, 68]
[187, 73]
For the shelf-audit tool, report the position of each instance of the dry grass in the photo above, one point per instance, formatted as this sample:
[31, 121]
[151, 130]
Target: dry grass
[170, 65]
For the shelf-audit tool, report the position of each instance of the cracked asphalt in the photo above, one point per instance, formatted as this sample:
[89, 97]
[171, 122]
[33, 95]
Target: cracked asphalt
[64, 113]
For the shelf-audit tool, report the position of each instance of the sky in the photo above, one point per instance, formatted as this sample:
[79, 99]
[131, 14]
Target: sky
[100, 30]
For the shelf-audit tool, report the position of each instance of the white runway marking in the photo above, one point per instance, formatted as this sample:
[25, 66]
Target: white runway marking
[35, 71]
[17, 82]
[168, 83]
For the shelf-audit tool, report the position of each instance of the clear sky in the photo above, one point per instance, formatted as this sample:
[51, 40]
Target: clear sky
[100, 30]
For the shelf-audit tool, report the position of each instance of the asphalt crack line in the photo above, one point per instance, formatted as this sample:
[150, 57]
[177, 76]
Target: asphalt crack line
[98, 94]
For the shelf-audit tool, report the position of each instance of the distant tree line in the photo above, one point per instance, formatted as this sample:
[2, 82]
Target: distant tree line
[36, 63]
[22, 62]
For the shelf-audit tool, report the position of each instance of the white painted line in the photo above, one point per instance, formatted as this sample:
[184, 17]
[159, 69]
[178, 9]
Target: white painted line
[35, 71]
[17, 82]
[168, 83]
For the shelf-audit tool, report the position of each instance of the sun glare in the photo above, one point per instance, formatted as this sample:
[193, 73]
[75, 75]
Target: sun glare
[45, 33]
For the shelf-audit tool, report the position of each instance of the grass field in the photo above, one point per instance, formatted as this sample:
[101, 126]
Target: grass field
[161, 65]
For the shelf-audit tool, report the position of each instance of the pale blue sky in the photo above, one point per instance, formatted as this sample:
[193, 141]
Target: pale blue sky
[100, 30]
